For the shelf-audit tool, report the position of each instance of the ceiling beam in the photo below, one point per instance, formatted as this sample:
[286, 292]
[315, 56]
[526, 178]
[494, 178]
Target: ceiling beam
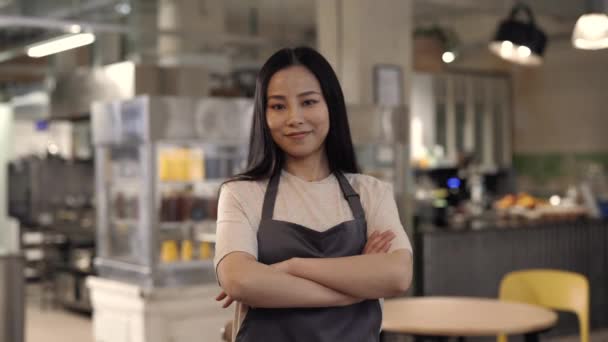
[59, 25]
[88, 6]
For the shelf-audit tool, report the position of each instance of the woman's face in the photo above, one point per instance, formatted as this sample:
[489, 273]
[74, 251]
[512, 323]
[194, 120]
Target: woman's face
[296, 112]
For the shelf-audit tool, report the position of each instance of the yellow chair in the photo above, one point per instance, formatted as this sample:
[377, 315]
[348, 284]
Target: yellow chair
[553, 289]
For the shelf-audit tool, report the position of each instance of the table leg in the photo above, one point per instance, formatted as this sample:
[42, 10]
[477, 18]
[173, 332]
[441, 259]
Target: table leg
[392, 337]
[531, 337]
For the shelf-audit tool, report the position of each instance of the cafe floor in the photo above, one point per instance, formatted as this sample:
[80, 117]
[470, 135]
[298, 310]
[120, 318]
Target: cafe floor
[58, 325]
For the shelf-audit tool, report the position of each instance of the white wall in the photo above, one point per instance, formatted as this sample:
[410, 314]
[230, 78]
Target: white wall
[563, 105]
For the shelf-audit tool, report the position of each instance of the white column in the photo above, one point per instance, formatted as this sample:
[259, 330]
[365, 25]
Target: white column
[143, 46]
[356, 35]
[198, 22]
[106, 49]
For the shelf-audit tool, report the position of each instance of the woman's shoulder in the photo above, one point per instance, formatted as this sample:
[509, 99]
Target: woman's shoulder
[372, 191]
[246, 194]
[240, 186]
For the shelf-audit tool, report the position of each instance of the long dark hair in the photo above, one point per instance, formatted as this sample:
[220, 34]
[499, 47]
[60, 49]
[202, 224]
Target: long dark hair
[265, 157]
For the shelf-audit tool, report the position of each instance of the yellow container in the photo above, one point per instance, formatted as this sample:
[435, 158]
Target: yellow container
[206, 250]
[197, 172]
[170, 165]
[187, 250]
[183, 164]
[164, 165]
[169, 251]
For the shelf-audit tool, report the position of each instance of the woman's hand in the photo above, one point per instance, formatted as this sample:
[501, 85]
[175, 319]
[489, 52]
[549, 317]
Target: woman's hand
[223, 295]
[379, 242]
[282, 266]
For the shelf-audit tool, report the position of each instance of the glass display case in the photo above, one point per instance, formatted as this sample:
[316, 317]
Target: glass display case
[159, 164]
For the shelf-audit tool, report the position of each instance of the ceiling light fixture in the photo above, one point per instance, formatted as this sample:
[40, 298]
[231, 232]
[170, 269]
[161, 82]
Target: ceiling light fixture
[63, 43]
[518, 41]
[448, 57]
[123, 8]
[591, 29]
[75, 28]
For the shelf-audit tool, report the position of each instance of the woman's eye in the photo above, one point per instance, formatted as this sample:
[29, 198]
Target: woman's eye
[309, 102]
[277, 106]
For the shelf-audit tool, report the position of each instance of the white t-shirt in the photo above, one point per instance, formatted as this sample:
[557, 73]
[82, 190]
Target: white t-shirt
[317, 205]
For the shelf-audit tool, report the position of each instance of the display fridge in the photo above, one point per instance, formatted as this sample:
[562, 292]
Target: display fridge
[159, 164]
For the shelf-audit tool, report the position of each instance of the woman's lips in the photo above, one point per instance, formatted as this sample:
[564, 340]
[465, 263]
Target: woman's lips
[298, 135]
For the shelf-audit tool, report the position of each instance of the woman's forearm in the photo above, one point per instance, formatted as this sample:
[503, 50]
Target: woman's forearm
[363, 276]
[262, 286]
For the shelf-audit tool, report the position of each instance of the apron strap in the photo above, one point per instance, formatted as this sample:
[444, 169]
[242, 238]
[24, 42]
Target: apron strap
[351, 196]
[270, 196]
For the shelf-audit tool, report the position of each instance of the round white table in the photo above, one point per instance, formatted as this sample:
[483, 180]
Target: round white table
[442, 317]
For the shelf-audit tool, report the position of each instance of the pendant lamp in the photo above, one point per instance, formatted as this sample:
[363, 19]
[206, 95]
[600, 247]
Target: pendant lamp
[519, 41]
[591, 29]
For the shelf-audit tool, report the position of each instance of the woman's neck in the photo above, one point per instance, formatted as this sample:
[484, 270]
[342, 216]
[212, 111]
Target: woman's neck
[312, 168]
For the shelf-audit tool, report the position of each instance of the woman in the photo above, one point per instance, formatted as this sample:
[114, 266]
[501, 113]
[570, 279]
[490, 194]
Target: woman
[305, 244]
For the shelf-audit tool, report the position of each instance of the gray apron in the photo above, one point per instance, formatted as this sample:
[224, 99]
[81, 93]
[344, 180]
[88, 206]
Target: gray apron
[279, 241]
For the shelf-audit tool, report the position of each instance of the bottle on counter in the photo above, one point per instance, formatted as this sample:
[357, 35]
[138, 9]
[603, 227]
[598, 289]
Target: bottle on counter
[186, 203]
[170, 205]
[199, 209]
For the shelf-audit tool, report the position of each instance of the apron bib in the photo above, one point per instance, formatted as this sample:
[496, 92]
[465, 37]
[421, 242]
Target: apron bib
[279, 241]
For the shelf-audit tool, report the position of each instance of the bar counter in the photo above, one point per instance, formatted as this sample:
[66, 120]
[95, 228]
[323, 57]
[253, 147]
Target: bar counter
[472, 262]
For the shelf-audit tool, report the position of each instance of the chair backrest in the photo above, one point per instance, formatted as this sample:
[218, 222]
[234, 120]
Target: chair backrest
[554, 289]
